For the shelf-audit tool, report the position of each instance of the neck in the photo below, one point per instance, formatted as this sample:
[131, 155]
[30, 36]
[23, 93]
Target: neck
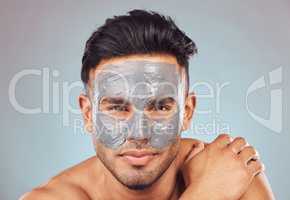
[164, 188]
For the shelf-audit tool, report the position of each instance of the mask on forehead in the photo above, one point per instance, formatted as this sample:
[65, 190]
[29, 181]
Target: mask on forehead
[138, 100]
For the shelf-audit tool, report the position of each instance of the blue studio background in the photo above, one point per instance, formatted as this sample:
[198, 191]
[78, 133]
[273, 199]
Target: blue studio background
[240, 76]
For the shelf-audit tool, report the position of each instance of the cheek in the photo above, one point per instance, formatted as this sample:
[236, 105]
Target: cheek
[105, 154]
[165, 132]
[171, 151]
[109, 131]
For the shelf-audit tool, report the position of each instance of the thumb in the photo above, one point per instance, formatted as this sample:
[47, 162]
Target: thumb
[196, 148]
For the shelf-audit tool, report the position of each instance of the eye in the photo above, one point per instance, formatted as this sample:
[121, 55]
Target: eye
[163, 107]
[159, 107]
[118, 108]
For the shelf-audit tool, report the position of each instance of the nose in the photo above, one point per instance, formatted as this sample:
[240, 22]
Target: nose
[138, 143]
[140, 128]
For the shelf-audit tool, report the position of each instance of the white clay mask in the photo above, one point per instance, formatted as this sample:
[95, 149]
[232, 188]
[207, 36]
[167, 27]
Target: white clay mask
[138, 100]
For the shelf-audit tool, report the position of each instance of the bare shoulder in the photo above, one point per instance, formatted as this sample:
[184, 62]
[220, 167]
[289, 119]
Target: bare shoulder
[65, 185]
[56, 192]
[40, 193]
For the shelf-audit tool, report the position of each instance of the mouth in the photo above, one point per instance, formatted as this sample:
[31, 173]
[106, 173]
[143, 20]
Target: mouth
[138, 157]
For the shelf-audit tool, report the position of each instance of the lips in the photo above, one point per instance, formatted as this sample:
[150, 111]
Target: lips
[138, 158]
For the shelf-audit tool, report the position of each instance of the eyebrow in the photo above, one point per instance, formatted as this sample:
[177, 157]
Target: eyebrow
[113, 100]
[122, 101]
[161, 101]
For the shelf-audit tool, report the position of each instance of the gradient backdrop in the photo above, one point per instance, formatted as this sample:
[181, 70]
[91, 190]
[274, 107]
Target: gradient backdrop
[244, 52]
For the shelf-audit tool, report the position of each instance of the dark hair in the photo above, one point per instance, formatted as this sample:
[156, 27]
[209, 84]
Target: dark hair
[139, 32]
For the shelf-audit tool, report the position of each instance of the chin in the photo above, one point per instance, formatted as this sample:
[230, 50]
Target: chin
[138, 179]
[139, 186]
[135, 173]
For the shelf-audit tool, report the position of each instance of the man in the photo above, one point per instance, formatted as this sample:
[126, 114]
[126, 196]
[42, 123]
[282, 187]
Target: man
[137, 103]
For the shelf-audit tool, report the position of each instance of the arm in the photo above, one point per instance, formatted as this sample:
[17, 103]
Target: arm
[259, 189]
[222, 171]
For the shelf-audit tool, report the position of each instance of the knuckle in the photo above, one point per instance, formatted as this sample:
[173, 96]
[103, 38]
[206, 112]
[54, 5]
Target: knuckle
[225, 136]
[222, 135]
[241, 140]
[250, 149]
[253, 150]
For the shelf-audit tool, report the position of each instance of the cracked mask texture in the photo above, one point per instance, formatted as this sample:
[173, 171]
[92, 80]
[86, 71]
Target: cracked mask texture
[138, 83]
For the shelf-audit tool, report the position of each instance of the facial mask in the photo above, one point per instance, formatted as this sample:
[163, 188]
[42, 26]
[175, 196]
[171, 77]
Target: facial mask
[140, 89]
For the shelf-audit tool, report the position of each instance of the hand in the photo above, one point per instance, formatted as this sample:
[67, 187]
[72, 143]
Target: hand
[223, 170]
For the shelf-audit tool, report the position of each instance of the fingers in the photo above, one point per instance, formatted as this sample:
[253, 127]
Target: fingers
[189, 148]
[250, 157]
[238, 144]
[222, 141]
[198, 147]
[248, 153]
[256, 167]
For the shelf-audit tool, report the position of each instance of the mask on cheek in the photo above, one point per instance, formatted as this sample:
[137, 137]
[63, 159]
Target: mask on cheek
[138, 100]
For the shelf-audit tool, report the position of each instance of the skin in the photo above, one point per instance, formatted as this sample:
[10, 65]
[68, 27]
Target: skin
[187, 169]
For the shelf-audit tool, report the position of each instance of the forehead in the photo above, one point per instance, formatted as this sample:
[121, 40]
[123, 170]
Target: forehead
[137, 77]
[138, 70]
[118, 61]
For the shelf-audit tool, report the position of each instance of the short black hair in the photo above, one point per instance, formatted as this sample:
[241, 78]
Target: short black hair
[138, 32]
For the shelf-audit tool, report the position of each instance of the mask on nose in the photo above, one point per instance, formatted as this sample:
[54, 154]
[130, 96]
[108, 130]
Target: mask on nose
[138, 100]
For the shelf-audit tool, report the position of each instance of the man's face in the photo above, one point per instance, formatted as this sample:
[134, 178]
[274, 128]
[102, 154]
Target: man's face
[137, 115]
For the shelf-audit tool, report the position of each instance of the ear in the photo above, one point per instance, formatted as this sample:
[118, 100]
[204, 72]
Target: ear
[86, 109]
[190, 102]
